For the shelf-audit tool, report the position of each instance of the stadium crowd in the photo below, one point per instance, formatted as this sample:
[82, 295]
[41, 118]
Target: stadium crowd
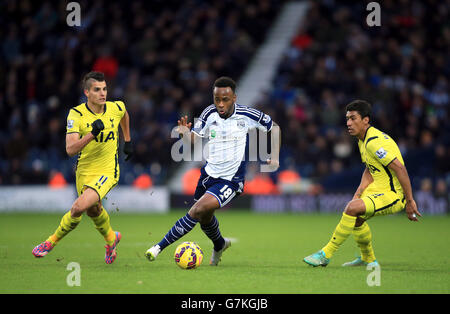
[162, 57]
[402, 68]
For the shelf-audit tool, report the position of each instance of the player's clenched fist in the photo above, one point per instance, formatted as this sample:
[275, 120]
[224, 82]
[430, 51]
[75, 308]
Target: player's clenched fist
[97, 126]
[128, 150]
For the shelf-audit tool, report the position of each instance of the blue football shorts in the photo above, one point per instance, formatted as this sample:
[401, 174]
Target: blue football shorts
[223, 190]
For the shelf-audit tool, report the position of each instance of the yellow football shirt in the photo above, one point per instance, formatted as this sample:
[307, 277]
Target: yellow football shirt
[378, 150]
[101, 154]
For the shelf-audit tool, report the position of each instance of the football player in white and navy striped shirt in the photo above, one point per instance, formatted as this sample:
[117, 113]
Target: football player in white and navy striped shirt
[226, 125]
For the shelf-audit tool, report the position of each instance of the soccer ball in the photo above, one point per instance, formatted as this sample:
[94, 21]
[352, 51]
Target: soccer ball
[188, 255]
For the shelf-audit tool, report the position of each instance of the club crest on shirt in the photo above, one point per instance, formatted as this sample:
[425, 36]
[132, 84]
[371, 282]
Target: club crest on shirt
[241, 124]
[381, 153]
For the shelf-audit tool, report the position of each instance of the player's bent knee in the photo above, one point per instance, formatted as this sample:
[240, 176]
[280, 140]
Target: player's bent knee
[77, 209]
[196, 211]
[355, 208]
[80, 206]
[200, 212]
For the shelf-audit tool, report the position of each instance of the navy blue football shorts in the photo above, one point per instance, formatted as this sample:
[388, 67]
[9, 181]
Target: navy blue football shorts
[223, 190]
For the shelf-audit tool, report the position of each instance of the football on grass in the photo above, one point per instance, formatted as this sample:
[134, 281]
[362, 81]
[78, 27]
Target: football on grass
[188, 255]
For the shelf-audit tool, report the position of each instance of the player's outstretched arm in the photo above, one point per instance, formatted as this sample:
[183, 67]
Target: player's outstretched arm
[366, 179]
[403, 178]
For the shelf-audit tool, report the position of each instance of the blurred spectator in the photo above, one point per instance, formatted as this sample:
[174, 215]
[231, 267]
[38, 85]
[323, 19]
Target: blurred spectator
[429, 201]
[289, 181]
[144, 181]
[260, 184]
[441, 189]
[257, 182]
[190, 180]
[57, 180]
[441, 163]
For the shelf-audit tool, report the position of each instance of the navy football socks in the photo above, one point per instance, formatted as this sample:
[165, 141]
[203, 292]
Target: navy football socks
[213, 232]
[179, 229]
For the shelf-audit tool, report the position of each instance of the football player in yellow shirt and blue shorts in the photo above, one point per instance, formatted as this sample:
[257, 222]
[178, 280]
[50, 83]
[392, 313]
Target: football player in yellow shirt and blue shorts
[385, 189]
[93, 134]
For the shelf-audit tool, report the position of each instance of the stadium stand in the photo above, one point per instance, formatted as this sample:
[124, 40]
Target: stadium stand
[401, 68]
[162, 57]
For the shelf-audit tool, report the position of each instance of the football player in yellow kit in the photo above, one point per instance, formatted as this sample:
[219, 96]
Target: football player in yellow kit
[385, 189]
[93, 134]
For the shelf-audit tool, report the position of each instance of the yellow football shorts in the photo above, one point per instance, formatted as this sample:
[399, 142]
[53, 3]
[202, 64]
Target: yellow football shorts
[102, 184]
[382, 203]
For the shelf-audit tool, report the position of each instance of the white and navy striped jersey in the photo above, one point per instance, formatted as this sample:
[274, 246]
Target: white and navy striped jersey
[228, 139]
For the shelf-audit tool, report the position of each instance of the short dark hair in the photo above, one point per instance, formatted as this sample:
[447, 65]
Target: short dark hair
[94, 75]
[361, 106]
[225, 81]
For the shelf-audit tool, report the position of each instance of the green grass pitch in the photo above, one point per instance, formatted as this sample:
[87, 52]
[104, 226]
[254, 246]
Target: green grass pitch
[265, 256]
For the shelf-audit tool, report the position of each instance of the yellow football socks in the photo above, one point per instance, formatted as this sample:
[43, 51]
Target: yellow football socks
[103, 226]
[363, 237]
[67, 224]
[340, 234]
